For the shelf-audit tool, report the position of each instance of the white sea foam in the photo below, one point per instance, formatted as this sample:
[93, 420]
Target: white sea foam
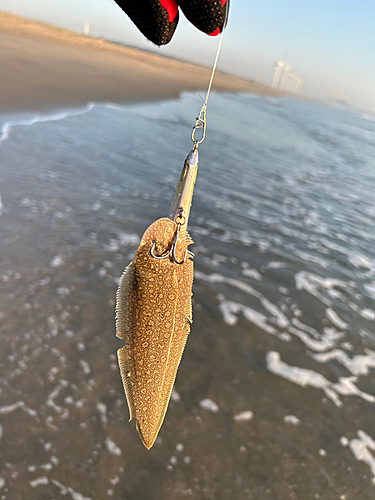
[39, 481]
[312, 283]
[252, 273]
[244, 416]
[370, 288]
[216, 260]
[311, 258]
[368, 314]
[209, 405]
[63, 291]
[128, 239]
[44, 281]
[175, 397]
[276, 265]
[113, 246]
[361, 261]
[321, 342]
[292, 419]
[53, 395]
[65, 490]
[346, 387]
[57, 261]
[334, 246]
[11, 408]
[347, 345]
[53, 325]
[219, 278]
[280, 318]
[102, 409]
[335, 319]
[309, 378]
[81, 346]
[296, 322]
[85, 366]
[112, 447]
[29, 411]
[300, 376]
[358, 365]
[230, 310]
[344, 441]
[361, 448]
[7, 127]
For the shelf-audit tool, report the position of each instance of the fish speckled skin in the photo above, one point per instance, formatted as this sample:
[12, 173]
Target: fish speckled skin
[153, 317]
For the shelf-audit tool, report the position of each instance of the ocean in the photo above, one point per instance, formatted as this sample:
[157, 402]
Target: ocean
[275, 395]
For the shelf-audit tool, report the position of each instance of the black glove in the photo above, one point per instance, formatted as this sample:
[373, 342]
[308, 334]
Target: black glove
[157, 19]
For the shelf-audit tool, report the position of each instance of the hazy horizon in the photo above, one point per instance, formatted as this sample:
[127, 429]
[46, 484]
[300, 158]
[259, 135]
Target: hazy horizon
[330, 45]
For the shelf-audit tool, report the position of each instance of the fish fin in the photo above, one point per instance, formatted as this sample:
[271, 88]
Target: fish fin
[184, 237]
[187, 238]
[189, 302]
[123, 357]
[148, 435]
[126, 285]
[147, 441]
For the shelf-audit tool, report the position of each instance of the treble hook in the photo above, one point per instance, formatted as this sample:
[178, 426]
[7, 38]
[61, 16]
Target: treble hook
[163, 256]
[180, 220]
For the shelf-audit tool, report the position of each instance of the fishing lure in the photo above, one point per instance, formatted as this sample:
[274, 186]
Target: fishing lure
[153, 302]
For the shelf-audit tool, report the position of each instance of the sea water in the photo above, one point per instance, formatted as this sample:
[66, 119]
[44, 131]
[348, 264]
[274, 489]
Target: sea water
[283, 221]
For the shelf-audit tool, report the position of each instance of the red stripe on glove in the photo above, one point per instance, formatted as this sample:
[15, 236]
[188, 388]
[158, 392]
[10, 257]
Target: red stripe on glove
[214, 33]
[171, 7]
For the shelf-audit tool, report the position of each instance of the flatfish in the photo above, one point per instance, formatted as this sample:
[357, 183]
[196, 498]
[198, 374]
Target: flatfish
[154, 310]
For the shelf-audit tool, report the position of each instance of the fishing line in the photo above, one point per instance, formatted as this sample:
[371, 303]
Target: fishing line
[200, 122]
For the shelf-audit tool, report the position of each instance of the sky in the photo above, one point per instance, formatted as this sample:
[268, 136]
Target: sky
[328, 43]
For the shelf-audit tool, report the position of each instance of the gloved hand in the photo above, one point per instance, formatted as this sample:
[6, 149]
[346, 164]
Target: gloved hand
[157, 19]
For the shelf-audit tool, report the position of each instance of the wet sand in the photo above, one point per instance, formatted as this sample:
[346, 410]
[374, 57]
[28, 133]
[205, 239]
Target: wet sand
[44, 67]
[277, 423]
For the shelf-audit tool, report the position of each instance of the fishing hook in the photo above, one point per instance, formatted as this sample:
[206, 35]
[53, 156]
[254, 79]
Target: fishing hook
[180, 220]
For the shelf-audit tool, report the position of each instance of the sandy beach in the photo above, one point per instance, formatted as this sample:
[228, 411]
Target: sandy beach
[44, 67]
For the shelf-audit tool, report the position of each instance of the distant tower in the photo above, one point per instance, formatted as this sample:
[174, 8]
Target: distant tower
[285, 79]
[299, 85]
[279, 70]
[86, 29]
[293, 83]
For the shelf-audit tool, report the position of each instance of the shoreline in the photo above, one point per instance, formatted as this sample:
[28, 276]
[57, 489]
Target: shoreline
[46, 68]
